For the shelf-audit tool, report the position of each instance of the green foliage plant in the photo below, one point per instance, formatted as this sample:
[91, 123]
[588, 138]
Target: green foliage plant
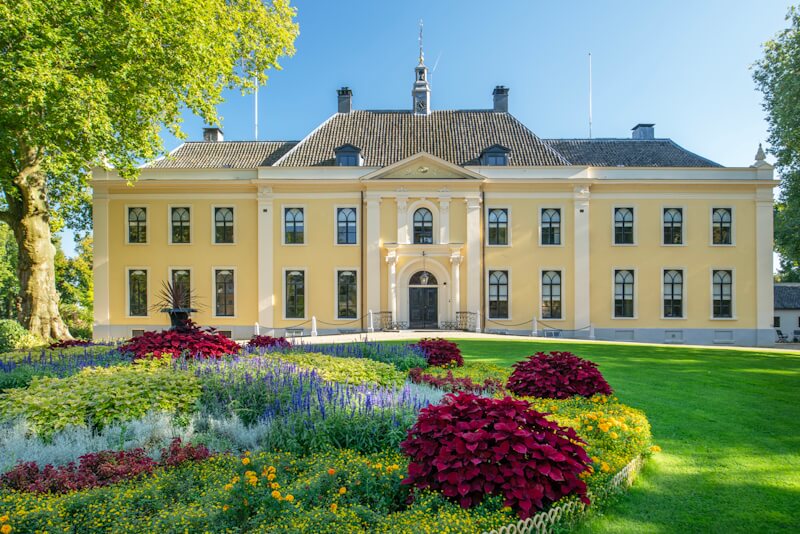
[347, 370]
[11, 334]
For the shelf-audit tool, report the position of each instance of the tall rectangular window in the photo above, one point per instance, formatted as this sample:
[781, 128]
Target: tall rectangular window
[346, 226]
[295, 294]
[498, 294]
[551, 226]
[224, 293]
[137, 225]
[721, 226]
[776, 322]
[180, 225]
[673, 226]
[722, 282]
[623, 293]
[498, 226]
[551, 295]
[182, 282]
[223, 225]
[137, 293]
[673, 293]
[346, 295]
[623, 226]
[294, 226]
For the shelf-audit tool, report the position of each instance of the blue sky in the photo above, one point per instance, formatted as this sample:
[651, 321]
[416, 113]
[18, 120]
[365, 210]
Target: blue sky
[683, 65]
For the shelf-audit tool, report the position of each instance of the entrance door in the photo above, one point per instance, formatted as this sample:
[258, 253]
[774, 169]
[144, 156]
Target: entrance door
[423, 307]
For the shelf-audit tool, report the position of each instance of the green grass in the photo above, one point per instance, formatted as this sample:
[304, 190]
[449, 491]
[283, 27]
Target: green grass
[729, 425]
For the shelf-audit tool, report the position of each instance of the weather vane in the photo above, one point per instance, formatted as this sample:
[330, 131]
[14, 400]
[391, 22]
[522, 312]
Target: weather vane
[421, 53]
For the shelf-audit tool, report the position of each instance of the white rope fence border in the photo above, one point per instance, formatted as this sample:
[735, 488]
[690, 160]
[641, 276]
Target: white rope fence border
[542, 522]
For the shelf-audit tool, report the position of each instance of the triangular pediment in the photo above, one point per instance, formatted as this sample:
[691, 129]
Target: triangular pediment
[423, 166]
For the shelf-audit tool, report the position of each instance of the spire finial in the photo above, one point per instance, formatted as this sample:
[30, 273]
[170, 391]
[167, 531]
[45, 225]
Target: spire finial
[421, 53]
[760, 156]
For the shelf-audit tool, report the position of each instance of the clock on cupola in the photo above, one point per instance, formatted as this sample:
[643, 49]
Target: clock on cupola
[421, 92]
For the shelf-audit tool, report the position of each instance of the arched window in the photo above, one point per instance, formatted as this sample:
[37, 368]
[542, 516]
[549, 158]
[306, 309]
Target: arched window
[137, 225]
[498, 226]
[623, 226]
[423, 278]
[346, 226]
[551, 226]
[723, 294]
[423, 227]
[498, 294]
[673, 293]
[181, 232]
[623, 294]
[295, 294]
[137, 293]
[223, 225]
[551, 295]
[673, 226]
[294, 226]
[223, 280]
[721, 220]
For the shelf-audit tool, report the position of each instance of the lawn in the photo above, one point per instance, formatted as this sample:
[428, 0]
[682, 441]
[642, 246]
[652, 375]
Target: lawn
[729, 425]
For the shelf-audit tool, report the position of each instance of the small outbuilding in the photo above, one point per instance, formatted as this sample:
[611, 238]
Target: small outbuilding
[787, 311]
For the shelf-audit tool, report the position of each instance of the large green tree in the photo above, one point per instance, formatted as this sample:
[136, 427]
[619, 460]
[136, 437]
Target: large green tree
[92, 82]
[777, 75]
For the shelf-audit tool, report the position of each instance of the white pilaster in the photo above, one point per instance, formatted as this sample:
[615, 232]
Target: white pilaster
[444, 220]
[455, 277]
[402, 220]
[100, 268]
[474, 268]
[373, 253]
[581, 306]
[266, 268]
[764, 280]
[391, 260]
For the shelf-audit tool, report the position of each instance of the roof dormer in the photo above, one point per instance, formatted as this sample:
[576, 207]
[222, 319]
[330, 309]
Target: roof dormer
[495, 155]
[348, 155]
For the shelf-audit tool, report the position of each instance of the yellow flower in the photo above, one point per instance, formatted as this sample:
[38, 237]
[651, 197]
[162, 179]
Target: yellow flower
[342, 490]
[275, 485]
[276, 494]
[605, 468]
[655, 448]
[4, 518]
[5, 529]
[271, 469]
[604, 427]
[505, 509]
[245, 461]
[614, 435]
[290, 498]
[227, 487]
[334, 508]
[249, 474]
[271, 476]
[225, 508]
[247, 453]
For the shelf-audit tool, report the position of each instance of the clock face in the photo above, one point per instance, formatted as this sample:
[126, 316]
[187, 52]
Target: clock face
[420, 105]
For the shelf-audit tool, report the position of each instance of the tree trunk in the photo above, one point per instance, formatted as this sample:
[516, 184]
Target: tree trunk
[29, 219]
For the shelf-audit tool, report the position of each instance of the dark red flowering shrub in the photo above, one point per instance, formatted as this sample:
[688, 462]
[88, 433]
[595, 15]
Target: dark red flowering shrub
[268, 342]
[67, 343]
[452, 384]
[192, 341]
[470, 446]
[439, 351]
[97, 469]
[557, 375]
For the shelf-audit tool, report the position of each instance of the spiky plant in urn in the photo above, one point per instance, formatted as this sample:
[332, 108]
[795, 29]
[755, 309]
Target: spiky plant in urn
[176, 299]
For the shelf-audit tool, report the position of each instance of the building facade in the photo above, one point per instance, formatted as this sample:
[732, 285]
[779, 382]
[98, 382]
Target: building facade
[787, 312]
[441, 219]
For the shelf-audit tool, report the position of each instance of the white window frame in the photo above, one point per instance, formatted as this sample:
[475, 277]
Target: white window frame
[169, 224]
[336, 271]
[284, 208]
[711, 225]
[684, 295]
[561, 270]
[632, 206]
[192, 281]
[435, 223]
[284, 294]
[127, 234]
[214, 223]
[336, 209]
[489, 271]
[233, 269]
[508, 230]
[684, 234]
[128, 270]
[733, 316]
[541, 209]
[635, 272]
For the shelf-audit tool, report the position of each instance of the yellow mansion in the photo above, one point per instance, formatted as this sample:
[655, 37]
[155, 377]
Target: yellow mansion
[428, 219]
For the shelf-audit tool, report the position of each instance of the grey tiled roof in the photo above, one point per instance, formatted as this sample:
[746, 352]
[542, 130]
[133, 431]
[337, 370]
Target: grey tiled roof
[787, 296]
[386, 137]
[223, 155]
[628, 153]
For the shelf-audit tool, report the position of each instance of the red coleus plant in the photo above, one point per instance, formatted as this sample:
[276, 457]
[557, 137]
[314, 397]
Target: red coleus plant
[268, 342]
[97, 469]
[451, 384]
[192, 341]
[67, 343]
[468, 447]
[557, 375]
[440, 352]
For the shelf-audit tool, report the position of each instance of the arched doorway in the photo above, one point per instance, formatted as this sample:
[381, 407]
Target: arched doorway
[423, 301]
